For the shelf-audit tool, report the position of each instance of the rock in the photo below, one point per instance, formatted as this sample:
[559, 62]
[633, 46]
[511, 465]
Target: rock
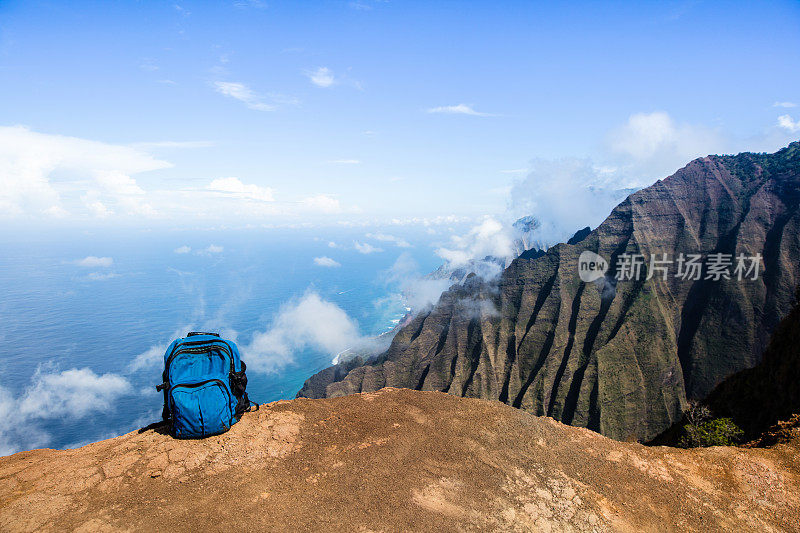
[400, 460]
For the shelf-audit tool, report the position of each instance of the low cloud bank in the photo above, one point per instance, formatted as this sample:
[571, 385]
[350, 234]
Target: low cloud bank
[28, 158]
[383, 237]
[366, 248]
[481, 247]
[326, 261]
[70, 395]
[212, 249]
[566, 195]
[55, 178]
[234, 188]
[419, 291]
[151, 357]
[309, 322]
[95, 262]
[306, 322]
[102, 276]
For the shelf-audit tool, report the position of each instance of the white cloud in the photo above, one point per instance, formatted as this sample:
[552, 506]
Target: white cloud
[56, 211]
[212, 249]
[785, 122]
[325, 261]
[309, 322]
[119, 182]
[74, 393]
[283, 99]
[182, 249]
[70, 395]
[148, 64]
[95, 206]
[29, 160]
[332, 244]
[655, 145]
[102, 276]
[17, 432]
[321, 77]
[784, 104]
[359, 6]
[173, 144]
[489, 238]
[243, 93]
[383, 237]
[50, 178]
[366, 248]
[439, 220]
[418, 290]
[650, 146]
[95, 262]
[514, 171]
[149, 358]
[258, 4]
[566, 195]
[505, 190]
[234, 188]
[644, 134]
[365, 5]
[460, 109]
[322, 203]
[153, 357]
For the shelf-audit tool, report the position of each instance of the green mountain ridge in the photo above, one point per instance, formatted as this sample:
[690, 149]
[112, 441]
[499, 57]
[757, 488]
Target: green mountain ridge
[620, 358]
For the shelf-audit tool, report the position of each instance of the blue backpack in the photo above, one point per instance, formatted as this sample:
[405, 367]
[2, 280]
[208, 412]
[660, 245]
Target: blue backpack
[204, 386]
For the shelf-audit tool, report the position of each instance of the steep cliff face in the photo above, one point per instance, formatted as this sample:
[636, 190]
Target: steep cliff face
[759, 397]
[618, 357]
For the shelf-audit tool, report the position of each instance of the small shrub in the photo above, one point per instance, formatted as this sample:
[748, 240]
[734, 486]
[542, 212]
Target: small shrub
[701, 430]
[715, 432]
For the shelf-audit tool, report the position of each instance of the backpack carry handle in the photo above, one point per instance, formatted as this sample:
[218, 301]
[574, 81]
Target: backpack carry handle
[193, 333]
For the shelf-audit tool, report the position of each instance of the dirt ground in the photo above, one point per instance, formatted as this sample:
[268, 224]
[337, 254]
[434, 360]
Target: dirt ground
[398, 460]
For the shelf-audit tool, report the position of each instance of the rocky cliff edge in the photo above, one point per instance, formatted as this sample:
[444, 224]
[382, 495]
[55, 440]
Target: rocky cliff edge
[398, 460]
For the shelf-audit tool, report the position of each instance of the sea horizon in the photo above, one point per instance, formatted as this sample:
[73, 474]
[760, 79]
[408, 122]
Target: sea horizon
[97, 311]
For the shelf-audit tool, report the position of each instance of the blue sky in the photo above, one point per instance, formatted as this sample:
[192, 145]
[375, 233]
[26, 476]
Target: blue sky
[156, 112]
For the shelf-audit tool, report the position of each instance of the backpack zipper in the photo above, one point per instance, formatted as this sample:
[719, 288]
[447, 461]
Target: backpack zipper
[199, 383]
[195, 343]
[208, 350]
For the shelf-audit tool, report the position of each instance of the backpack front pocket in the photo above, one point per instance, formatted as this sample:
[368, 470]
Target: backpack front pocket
[200, 409]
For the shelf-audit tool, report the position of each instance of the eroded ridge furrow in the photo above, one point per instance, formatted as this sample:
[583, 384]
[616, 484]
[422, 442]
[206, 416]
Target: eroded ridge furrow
[571, 327]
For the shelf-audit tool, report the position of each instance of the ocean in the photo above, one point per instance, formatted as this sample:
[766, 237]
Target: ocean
[80, 312]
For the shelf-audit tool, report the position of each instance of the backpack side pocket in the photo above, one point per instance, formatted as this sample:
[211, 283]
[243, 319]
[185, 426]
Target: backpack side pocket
[238, 381]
